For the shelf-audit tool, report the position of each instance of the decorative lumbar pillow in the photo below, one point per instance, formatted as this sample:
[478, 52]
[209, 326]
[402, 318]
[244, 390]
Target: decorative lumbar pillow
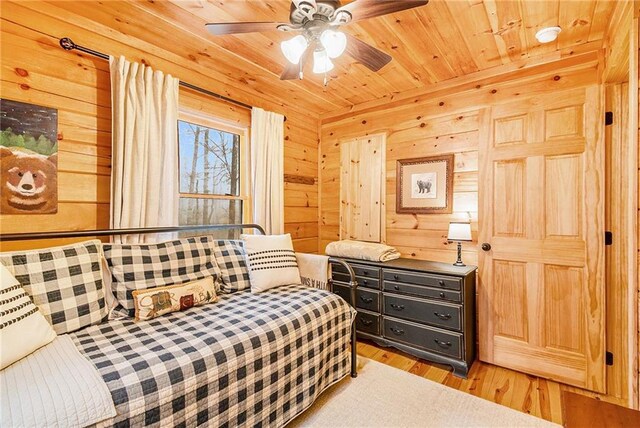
[65, 283]
[271, 261]
[231, 259]
[158, 301]
[23, 329]
[141, 267]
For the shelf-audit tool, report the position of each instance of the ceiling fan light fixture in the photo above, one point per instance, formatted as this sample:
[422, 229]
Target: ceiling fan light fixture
[321, 62]
[294, 48]
[548, 34]
[334, 42]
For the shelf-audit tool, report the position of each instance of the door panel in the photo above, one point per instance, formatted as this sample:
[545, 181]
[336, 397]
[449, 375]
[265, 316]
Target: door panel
[541, 294]
[362, 175]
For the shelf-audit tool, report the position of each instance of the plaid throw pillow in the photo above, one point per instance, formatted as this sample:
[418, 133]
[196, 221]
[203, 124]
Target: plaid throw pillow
[231, 259]
[141, 267]
[65, 283]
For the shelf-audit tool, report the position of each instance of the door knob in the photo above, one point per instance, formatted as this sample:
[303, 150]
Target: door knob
[486, 246]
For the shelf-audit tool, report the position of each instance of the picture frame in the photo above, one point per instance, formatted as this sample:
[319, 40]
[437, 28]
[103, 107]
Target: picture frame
[425, 185]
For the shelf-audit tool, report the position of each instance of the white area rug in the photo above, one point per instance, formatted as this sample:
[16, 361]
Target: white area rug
[383, 396]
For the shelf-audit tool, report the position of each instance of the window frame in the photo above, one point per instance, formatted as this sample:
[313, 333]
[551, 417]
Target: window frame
[201, 119]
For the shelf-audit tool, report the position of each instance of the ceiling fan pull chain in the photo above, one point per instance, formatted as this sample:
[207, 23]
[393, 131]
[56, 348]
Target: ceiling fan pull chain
[326, 80]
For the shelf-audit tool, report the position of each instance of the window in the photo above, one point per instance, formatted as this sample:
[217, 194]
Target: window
[213, 172]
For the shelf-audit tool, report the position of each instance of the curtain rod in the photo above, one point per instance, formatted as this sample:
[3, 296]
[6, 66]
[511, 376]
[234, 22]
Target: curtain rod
[115, 232]
[68, 45]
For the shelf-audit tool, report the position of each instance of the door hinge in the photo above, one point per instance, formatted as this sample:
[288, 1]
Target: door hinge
[608, 238]
[608, 118]
[609, 358]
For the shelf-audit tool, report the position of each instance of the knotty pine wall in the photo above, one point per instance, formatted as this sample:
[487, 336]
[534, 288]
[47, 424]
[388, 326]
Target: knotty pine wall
[447, 121]
[36, 70]
[439, 123]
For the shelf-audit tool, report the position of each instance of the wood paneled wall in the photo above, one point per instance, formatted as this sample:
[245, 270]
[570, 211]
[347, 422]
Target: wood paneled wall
[445, 122]
[36, 70]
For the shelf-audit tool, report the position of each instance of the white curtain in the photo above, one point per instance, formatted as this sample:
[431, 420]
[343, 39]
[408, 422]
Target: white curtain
[144, 159]
[267, 170]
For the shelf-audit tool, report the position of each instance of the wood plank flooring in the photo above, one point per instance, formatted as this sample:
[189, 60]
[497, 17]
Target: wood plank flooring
[525, 393]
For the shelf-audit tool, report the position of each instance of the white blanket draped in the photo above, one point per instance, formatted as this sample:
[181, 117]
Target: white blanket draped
[54, 387]
[314, 270]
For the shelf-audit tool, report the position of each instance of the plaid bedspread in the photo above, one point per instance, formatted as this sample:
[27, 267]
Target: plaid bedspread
[247, 360]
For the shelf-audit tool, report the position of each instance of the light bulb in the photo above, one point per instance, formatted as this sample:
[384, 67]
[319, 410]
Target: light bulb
[334, 42]
[321, 62]
[294, 48]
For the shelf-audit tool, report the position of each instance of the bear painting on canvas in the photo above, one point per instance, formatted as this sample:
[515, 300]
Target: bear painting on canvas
[28, 158]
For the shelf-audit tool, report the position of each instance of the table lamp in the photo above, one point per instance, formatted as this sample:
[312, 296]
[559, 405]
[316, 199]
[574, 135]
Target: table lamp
[459, 232]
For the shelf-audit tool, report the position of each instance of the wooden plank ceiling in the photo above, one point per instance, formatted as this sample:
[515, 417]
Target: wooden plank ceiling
[431, 44]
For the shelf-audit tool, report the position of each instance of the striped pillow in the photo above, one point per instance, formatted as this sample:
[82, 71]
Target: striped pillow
[271, 261]
[23, 329]
[65, 283]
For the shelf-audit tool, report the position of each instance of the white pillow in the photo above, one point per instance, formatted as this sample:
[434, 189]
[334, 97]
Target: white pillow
[23, 329]
[271, 261]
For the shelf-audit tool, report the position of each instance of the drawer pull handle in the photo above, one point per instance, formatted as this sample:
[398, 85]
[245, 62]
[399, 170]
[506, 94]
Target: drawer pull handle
[442, 316]
[441, 282]
[364, 282]
[396, 287]
[366, 322]
[397, 331]
[397, 307]
[366, 299]
[365, 273]
[395, 277]
[442, 294]
[442, 344]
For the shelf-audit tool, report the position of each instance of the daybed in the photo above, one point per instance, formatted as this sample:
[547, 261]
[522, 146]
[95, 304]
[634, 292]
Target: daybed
[247, 360]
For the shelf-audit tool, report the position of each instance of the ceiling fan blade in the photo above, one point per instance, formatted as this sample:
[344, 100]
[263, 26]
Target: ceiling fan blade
[292, 71]
[219, 29]
[374, 59]
[363, 9]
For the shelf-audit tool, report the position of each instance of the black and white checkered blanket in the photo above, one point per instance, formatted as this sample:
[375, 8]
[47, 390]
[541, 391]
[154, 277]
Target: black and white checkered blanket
[247, 360]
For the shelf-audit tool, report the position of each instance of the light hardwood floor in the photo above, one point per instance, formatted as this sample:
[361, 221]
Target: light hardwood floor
[522, 392]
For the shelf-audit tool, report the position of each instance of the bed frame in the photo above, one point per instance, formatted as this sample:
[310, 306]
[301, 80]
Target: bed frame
[206, 228]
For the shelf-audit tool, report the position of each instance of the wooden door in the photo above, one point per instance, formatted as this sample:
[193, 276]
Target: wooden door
[541, 294]
[362, 180]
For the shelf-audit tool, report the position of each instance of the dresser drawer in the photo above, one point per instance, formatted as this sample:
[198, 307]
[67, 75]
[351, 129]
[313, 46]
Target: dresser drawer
[359, 270]
[446, 282]
[365, 299]
[362, 282]
[367, 322]
[424, 337]
[439, 314]
[421, 290]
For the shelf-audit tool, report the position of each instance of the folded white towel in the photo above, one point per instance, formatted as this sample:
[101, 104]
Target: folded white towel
[362, 250]
[314, 270]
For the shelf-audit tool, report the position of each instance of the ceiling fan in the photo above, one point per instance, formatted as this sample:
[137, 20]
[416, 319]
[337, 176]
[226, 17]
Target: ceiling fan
[319, 21]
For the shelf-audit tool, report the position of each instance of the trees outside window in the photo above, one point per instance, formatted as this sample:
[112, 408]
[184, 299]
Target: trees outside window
[213, 172]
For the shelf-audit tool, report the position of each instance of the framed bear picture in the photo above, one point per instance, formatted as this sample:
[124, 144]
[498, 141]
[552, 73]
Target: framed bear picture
[425, 185]
[28, 158]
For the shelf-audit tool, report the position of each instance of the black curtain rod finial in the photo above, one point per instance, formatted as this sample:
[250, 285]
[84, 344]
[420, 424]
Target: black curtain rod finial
[67, 44]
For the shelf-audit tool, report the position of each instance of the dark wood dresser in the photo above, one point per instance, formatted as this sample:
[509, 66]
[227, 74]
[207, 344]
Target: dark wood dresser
[426, 309]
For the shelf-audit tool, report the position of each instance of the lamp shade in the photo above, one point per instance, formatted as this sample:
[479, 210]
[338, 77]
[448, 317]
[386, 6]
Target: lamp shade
[321, 62]
[294, 48]
[459, 231]
[334, 42]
